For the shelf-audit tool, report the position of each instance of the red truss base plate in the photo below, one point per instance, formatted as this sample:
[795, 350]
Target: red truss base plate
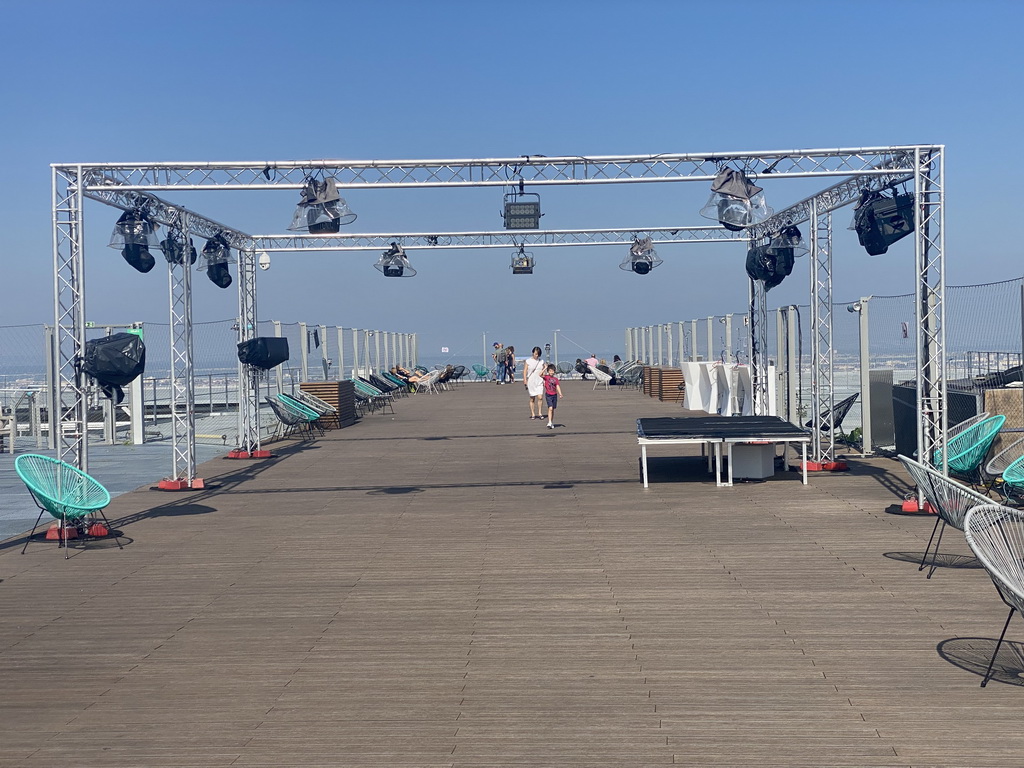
[53, 533]
[827, 466]
[238, 453]
[180, 484]
[911, 505]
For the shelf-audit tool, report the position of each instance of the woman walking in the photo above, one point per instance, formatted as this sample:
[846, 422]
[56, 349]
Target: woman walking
[533, 366]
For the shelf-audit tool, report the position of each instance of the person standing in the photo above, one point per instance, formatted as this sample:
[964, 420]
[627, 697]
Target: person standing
[552, 391]
[510, 365]
[500, 355]
[533, 367]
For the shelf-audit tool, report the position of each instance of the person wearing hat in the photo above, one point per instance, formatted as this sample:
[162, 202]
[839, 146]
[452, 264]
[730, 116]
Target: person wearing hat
[500, 356]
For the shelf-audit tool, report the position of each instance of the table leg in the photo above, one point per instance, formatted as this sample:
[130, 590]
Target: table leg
[643, 462]
[728, 458]
[803, 456]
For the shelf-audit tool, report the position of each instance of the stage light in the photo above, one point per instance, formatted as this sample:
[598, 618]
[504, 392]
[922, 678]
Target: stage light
[735, 201]
[520, 213]
[175, 248]
[773, 263]
[522, 262]
[264, 260]
[134, 234]
[393, 263]
[880, 220]
[642, 257]
[321, 210]
[788, 242]
[216, 257]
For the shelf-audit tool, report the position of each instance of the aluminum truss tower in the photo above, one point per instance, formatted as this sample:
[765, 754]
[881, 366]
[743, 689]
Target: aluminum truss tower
[183, 384]
[862, 168]
[68, 407]
[822, 358]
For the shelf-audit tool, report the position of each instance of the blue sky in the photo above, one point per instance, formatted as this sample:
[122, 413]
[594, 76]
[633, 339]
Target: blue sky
[95, 82]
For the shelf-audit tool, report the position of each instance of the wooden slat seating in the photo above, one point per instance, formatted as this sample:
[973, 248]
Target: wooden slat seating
[996, 536]
[949, 499]
[338, 394]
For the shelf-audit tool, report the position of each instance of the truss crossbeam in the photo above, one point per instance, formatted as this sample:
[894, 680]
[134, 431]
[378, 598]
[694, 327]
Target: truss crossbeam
[169, 214]
[534, 170]
[498, 239]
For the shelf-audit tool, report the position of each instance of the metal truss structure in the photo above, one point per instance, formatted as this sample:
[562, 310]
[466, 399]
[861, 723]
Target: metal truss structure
[129, 185]
[502, 239]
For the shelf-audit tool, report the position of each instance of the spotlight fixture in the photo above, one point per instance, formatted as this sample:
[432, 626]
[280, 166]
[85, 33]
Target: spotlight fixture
[735, 201]
[880, 220]
[773, 262]
[393, 263]
[521, 213]
[321, 210]
[642, 257]
[522, 262]
[175, 248]
[134, 233]
[788, 239]
[216, 257]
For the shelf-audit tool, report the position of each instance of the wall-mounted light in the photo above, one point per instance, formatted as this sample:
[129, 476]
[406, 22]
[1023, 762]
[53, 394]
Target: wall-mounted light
[642, 257]
[735, 201]
[393, 263]
[134, 234]
[321, 210]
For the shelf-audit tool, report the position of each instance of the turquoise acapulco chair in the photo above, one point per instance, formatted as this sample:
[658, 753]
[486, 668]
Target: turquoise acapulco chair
[966, 452]
[66, 492]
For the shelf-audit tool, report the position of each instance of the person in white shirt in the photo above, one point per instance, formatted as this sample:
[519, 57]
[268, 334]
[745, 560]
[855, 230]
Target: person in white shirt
[533, 366]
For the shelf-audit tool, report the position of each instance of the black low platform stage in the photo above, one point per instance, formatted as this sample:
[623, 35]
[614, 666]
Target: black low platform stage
[714, 432]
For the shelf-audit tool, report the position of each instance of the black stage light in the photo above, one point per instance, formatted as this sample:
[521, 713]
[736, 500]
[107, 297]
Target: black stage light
[217, 256]
[174, 248]
[642, 257]
[321, 210]
[881, 220]
[735, 201]
[134, 234]
[393, 263]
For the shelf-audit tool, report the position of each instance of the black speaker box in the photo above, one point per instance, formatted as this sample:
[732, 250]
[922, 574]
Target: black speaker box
[264, 352]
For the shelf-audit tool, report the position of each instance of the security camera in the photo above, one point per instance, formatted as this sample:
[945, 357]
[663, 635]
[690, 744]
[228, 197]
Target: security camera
[264, 260]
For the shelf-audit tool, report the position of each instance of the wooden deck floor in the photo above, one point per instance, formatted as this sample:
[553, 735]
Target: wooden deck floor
[458, 586]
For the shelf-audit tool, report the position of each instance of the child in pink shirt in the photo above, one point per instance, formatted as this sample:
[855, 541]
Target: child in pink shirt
[552, 391]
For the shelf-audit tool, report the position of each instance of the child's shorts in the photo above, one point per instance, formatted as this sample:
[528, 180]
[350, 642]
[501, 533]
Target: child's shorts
[552, 400]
